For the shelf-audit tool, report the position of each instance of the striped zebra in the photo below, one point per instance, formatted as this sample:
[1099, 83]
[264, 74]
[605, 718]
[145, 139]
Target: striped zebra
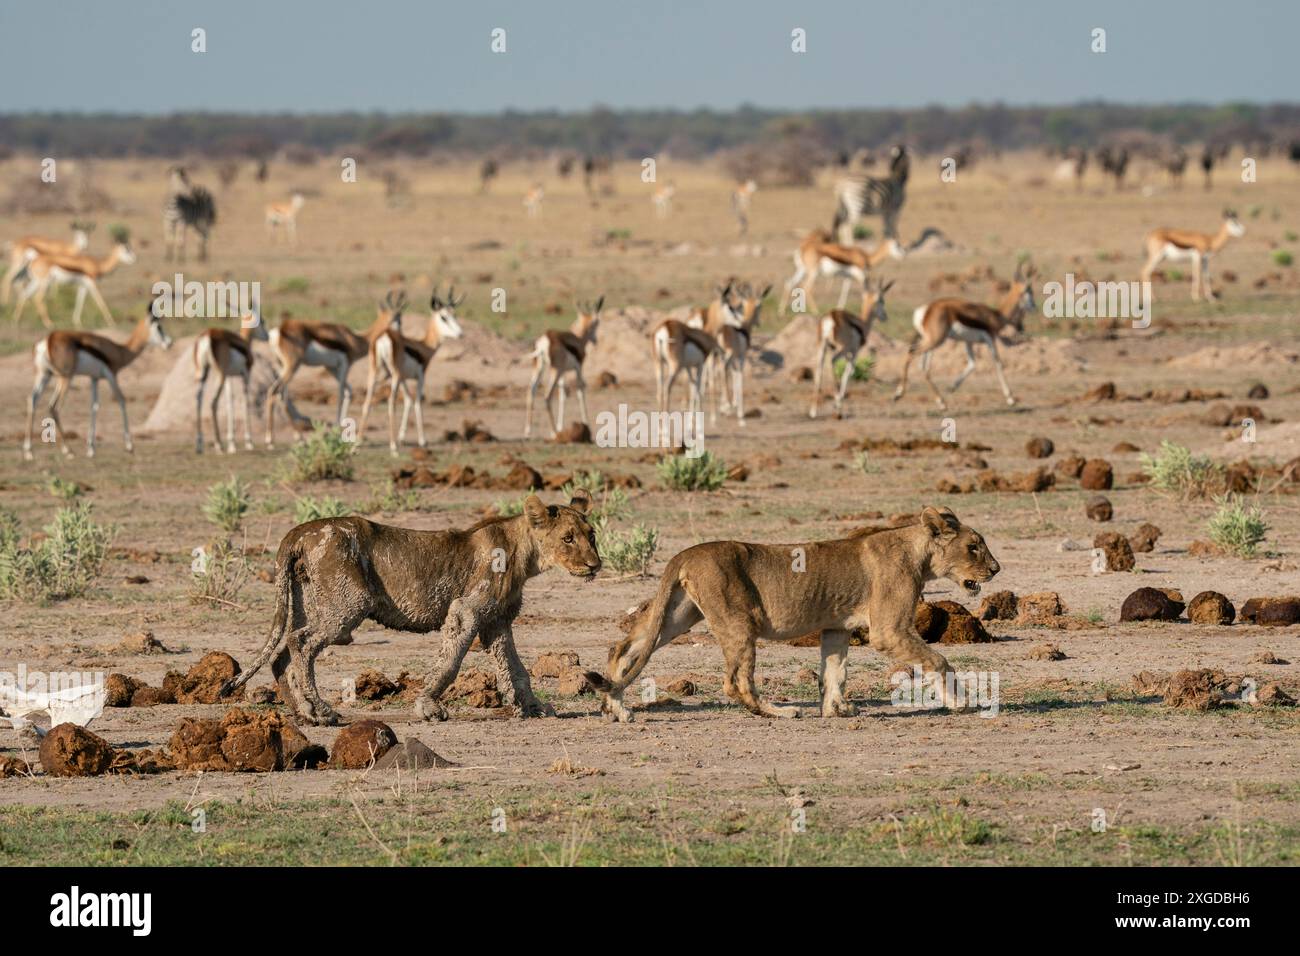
[187, 207]
[859, 196]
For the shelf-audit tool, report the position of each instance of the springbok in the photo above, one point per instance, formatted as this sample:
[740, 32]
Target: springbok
[64, 356]
[663, 200]
[1184, 244]
[819, 255]
[327, 345]
[843, 336]
[533, 200]
[85, 271]
[284, 214]
[740, 200]
[677, 347]
[563, 353]
[731, 326]
[227, 355]
[405, 361]
[29, 247]
[971, 323]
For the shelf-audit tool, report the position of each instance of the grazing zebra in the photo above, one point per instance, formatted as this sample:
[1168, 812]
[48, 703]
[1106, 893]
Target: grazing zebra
[859, 196]
[1114, 162]
[187, 207]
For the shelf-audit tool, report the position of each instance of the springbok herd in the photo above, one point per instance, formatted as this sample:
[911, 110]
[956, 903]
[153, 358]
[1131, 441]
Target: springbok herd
[710, 346]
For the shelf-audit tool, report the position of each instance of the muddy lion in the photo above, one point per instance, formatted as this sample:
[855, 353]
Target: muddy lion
[781, 591]
[334, 573]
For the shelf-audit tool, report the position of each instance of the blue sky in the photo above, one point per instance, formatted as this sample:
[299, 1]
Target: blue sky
[404, 55]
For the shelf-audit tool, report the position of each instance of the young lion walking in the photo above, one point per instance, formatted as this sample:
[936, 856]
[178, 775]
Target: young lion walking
[334, 573]
[781, 591]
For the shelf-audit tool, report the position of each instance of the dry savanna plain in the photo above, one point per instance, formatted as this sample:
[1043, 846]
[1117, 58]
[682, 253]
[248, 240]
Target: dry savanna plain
[1082, 764]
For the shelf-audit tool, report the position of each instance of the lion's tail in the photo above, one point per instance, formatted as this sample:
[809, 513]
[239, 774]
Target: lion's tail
[629, 656]
[283, 599]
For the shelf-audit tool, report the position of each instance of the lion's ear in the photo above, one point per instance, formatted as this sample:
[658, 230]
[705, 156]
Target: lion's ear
[536, 511]
[580, 501]
[940, 523]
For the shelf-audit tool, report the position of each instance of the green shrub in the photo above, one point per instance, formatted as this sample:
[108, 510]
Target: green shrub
[219, 573]
[862, 233]
[1175, 469]
[67, 490]
[1290, 235]
[1235, 528]
[389, 500]
[508, 509]
[228, 502]
[629, 552]
[61, 565]
[861, 369]
[1282, 257]
[322, 455]
[307, 508]
[681, 473]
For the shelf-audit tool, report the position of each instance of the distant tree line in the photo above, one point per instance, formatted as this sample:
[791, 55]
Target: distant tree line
[634, 133]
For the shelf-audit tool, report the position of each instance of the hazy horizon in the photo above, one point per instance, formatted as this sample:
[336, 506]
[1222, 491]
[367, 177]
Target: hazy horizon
[402, 56]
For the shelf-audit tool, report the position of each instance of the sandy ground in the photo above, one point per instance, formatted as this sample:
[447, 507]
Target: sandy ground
[1073, 727]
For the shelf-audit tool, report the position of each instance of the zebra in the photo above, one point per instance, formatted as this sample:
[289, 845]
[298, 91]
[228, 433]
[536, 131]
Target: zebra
[187, 207]
[858, 196]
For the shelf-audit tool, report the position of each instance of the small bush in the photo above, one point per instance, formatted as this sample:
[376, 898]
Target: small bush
[861, 369]
[309, 509]
[630, 552]
[388, 499]
[862, 233]
[1235, 528]
[1174, 468]
[62, 565]
[219, 573]
[324, 454]
[681, 473]
[66, 490]
[228, 502]
[1290, 235]
[508, 509]
[1282, 257]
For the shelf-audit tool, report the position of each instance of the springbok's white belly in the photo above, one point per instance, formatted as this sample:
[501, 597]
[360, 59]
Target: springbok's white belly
[967, 333]
[317, 354]
[90, 366]
[829, 267]
[1181, 253]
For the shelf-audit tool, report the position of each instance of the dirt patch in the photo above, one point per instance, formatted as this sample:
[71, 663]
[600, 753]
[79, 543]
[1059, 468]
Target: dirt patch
[1099, 508]
[71, 751]
[1097, 475]
[412, 755]
[1271, 611]
[1150, 604]
[359, 744]
[242, 741]
[947, 622]
[202, 683]
[1211, 607]
[1116, 550]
